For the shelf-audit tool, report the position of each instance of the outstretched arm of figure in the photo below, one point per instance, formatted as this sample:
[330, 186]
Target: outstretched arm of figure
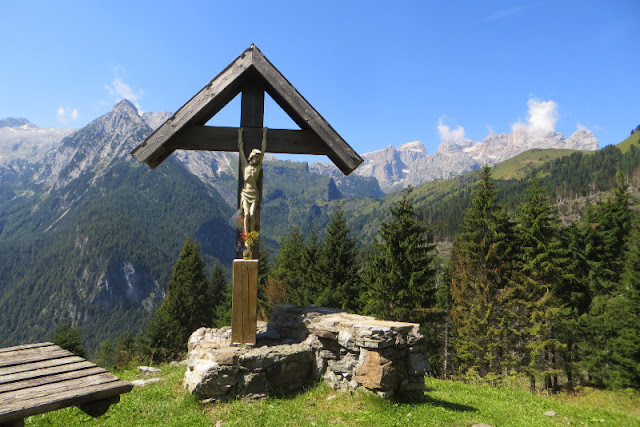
[264, 141]
[241, 154]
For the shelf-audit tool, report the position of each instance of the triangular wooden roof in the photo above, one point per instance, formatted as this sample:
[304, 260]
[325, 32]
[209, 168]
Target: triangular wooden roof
[186, 128]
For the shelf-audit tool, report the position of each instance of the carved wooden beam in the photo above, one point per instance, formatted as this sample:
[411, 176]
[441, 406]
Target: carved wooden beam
[215, 138]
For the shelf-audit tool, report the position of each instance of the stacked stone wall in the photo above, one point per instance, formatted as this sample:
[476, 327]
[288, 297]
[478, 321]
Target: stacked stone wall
[303, 345]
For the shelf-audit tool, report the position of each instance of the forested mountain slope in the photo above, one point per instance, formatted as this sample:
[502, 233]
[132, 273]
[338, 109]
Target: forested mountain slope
[89, 235]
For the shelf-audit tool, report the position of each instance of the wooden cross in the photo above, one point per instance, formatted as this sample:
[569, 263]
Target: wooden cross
[250, 74]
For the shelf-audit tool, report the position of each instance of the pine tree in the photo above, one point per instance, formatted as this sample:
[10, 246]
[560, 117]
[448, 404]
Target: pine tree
[264, 268]
[69, 338]
[611, 347]
[220, 297]
[482, 261]
[187, 306]
[106, 355]
[609, 223]
[574, 298]
[339, 282]
[541, 269]
[312, 277]
[400, 275]
[288, 273]
[443, 305]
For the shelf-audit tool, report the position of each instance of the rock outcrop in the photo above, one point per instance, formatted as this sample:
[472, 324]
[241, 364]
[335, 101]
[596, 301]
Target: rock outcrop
[304, 345]
[410, 164]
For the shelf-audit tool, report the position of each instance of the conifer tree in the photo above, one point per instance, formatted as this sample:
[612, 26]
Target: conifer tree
[400, 275]
[69, 338]
[443, 326]
[611, 348]
[289, 272]
[482, 261]
[220, 297]
[312, 280]
[541, 268]
[187, 306]
[264, 268]
[339, 283]
[574, 298]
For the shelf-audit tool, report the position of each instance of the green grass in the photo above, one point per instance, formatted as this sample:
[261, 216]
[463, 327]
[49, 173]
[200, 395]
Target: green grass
[446, 403]
[625, 145]
[523, 164]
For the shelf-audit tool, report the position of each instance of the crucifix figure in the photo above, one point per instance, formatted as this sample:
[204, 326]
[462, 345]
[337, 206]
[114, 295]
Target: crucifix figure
[250, 196]
[252, 75]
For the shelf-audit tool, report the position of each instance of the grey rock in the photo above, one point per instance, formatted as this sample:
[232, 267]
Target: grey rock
[347, 351]
[409, 164]
[143, 383]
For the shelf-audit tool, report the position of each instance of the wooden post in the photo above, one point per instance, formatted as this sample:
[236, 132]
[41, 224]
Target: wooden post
[252, 75]
[244, 301]
[252, 116]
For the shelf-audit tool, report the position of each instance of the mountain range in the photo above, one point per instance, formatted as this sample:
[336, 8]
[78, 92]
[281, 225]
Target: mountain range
[410, 164]
[89, 235]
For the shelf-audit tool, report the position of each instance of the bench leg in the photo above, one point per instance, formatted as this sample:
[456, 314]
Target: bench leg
[99, 407]
[17, 423]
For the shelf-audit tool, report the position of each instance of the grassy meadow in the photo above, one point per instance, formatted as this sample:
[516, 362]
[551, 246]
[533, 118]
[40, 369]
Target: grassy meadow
[446, 403]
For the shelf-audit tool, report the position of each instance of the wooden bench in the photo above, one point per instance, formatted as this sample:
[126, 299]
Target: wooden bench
[38, 378]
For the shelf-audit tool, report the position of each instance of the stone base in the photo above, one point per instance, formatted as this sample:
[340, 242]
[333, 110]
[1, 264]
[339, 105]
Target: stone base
[303, 345]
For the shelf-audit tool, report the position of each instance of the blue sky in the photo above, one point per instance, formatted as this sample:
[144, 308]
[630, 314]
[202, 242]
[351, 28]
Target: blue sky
[382, 73]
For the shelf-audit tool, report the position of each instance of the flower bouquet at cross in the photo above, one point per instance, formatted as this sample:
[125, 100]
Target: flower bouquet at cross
[251, 240]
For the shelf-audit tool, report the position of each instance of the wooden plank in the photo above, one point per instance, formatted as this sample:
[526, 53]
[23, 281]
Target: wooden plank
[252, 116]
[43, 372]
[238, 293]
[252, 104]
[251, 323]
[244, 301]
[217, 138]
[20, 357]
[50, 390]
[197, 111]
[37, 378]
[39, 365]
[249, 71]
[29, 384]
[305, 116]
[34, 405]
[25, 347]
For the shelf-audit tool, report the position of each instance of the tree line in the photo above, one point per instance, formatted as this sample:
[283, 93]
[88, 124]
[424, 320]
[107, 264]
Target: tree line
[520, 294]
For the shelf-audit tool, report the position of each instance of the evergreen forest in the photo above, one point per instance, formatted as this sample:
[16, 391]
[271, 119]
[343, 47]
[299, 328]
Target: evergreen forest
[535, 277]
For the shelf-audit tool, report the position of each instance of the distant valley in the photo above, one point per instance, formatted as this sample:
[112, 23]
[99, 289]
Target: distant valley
[89, 235]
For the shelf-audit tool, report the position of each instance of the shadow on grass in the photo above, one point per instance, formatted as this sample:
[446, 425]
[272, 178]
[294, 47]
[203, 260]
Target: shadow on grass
[447, 405]
[424, 399]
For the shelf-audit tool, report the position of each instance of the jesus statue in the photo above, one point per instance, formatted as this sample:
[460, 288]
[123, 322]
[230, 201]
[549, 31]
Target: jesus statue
[250, 195]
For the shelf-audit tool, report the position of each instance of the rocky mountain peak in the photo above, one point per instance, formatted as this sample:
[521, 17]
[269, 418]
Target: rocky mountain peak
[415, 146]
[410, 163]
[94, 147]
[11, 122]
[154, 120]
[125, 106]
[22, 143]
[583, 139]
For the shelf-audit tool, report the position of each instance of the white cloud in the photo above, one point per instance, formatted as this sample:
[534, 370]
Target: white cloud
[446, 134]
[120, 90]
[541, 120]
[61, 117]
